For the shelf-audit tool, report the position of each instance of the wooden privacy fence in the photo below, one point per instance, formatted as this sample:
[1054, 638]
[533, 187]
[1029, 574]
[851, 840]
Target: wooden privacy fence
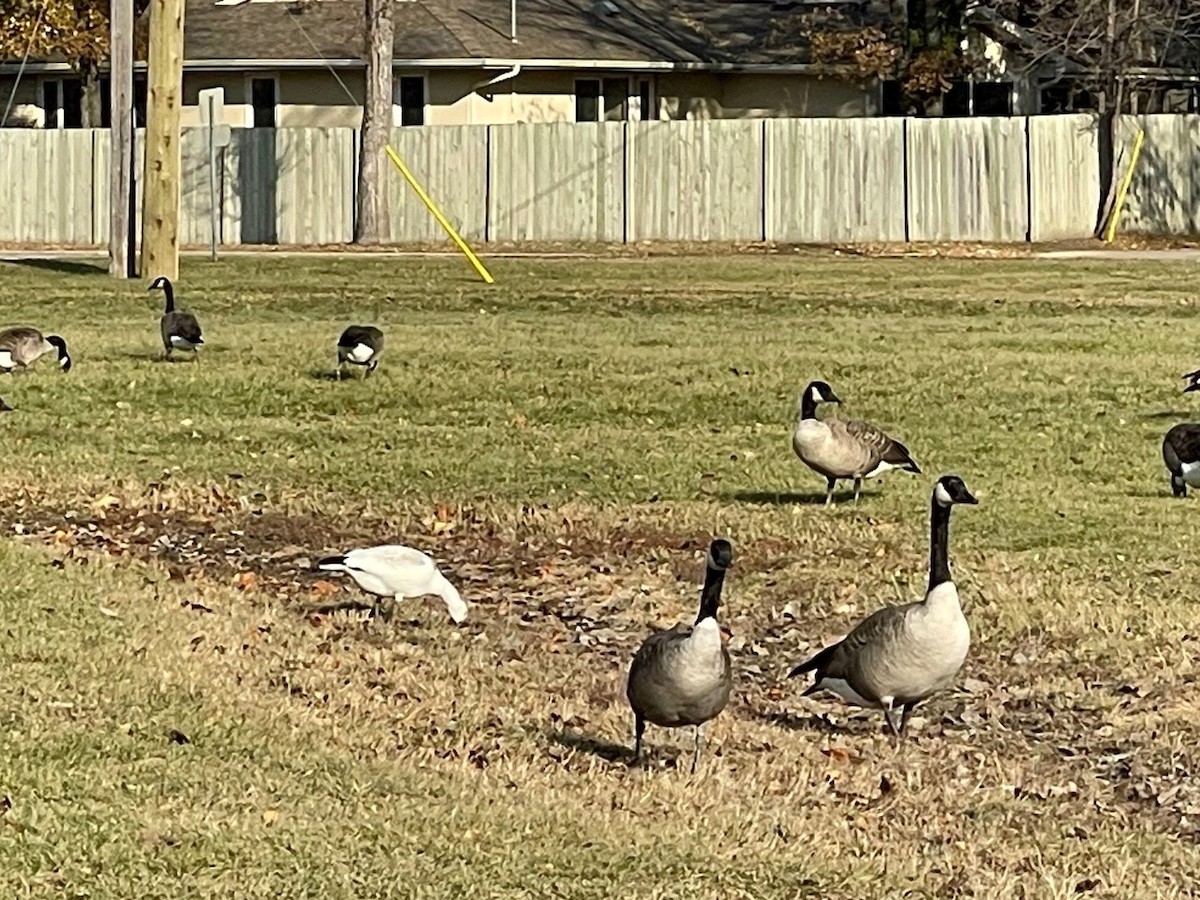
[795, 180]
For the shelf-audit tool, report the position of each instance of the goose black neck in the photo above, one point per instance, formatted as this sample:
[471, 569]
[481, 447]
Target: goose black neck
[939, 545]
[808, 405]
[710, 596]
[169, 291]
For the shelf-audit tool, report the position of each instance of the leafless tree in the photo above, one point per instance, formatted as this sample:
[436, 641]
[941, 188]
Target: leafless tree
[372, 222]
[1113, 52]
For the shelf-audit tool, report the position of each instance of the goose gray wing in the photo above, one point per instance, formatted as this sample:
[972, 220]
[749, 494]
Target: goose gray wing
[362, 334]
[1181, 445]
[844, 660]
[655, 653]
[881, 446]
[183, 325]
[11, 338]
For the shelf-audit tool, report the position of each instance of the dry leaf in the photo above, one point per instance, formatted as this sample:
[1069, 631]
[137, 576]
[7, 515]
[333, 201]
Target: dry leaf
[245, 581]
[270, 816]
[324, 588]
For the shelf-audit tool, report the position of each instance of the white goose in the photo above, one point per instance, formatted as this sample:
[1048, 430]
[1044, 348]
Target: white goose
[391, 570]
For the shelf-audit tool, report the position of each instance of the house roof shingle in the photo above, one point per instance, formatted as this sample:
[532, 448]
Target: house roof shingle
[688, 32]
[724, 32]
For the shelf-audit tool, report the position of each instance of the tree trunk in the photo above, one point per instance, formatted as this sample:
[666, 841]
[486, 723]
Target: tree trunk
[91, 94]
[372, 223]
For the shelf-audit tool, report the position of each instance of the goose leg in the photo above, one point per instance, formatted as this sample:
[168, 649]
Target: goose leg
[889, 712]
[698, 737]
[829, 483]
[639, 728]
[908, 709]
[857, 488]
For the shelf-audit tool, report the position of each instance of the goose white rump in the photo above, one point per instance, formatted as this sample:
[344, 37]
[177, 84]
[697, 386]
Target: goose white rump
[392, 570]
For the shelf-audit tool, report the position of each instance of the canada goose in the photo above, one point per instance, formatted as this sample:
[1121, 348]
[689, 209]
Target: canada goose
[900, 655]
[20, 347]
[394, 571]
[1181, 453]
[180, 330]
[1193, 381]
[360, 345]
[682, 676]
[841, 449]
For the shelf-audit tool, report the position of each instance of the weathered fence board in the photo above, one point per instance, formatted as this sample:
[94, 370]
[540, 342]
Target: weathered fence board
[966, 180]
[450, 163]
[1064, 177]
[314, 185]
[1164, 196]
[557, 181]
[46, 193]
[809, 180]
[830, 180]
[695, 181]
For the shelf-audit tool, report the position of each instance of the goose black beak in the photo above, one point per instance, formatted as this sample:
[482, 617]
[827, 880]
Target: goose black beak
[968, 498]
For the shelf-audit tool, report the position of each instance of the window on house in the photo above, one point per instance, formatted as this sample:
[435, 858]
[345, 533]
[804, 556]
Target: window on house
[993, 98]
[72, 103]
[412, 100]
[1062, 98]
[602, 100]
[957, 100]
[62, 100]
[891, 99]
[616, 99]
[263, 100]
[587, 100]
[50, 104]
[139, 102]
[646, 101]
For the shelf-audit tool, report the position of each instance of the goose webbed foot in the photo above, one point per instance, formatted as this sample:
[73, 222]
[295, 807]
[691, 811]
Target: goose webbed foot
[829, 483]
[857, 488]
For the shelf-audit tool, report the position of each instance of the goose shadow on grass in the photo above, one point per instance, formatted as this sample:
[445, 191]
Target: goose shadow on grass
[1181, 415]
[332, 375]
[605, 750]
[819, 723]
[791, 498]
[156, 356]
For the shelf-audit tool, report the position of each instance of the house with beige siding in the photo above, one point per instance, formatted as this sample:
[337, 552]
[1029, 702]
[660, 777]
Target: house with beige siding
[286, 63]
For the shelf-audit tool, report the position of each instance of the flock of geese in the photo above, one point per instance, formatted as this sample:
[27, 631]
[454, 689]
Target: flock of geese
[22, 346]
[892, 660]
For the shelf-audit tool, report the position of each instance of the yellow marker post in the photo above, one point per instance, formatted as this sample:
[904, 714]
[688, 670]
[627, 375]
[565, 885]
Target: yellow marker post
[1126, 180]
[442, 220]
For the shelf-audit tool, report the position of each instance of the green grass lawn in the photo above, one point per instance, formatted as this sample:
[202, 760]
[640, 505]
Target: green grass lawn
[184, 711]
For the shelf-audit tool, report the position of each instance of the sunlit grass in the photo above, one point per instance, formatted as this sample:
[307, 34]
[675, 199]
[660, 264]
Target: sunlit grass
[588, 425]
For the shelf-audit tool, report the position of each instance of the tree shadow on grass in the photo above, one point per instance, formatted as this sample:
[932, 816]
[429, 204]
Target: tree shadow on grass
[62, 266]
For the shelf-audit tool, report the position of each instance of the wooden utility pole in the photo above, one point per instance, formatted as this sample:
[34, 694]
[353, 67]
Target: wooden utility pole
[160, 203]
[120, 184]
[372, 223]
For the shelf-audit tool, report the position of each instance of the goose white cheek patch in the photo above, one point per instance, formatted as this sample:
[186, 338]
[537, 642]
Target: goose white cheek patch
[816, 396]
[942, 495]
